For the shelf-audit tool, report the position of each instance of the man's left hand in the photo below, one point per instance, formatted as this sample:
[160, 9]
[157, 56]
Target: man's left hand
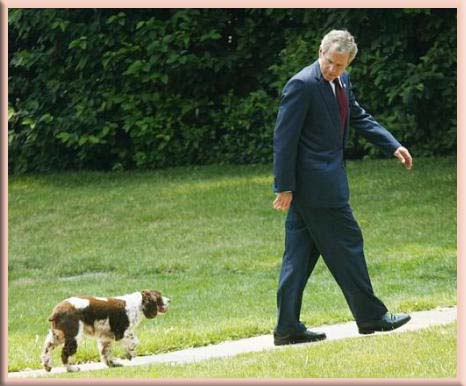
[405, 158]
[283, 201]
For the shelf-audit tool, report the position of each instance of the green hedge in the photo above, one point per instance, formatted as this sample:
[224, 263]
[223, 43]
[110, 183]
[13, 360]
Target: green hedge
[150, 88]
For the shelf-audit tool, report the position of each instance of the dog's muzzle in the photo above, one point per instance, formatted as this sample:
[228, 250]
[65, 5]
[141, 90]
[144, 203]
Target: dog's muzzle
[166, 304]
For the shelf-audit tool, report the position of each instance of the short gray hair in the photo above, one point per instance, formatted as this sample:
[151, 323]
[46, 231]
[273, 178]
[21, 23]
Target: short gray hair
[340, 41]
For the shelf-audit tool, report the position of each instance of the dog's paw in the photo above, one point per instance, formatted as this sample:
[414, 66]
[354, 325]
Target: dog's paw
[114, 364]
[47, 368]
[129, 355]
[72, 369]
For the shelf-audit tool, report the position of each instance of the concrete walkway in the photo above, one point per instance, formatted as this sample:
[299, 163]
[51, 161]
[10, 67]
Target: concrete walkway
[418, 321]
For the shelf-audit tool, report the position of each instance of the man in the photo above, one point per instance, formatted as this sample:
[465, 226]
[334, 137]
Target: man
[310, 181]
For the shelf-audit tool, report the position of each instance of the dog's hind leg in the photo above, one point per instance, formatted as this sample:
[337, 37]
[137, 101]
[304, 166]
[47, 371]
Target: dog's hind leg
[73, 335]
[69, 349]
[54, 338]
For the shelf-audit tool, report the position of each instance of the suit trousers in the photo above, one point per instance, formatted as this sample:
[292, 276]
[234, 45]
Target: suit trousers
[334, 234]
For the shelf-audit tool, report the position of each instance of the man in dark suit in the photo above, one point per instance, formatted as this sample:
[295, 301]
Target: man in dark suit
[310, 181]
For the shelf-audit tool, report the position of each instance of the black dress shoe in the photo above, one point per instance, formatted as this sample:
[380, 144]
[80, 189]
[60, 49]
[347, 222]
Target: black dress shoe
[304, 337]
[388, 322]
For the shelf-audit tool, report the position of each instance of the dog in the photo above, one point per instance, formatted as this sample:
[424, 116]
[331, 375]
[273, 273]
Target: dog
[105, 319]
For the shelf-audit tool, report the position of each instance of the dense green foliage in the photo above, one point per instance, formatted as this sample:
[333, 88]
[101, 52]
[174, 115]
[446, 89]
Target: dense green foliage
[150, 88]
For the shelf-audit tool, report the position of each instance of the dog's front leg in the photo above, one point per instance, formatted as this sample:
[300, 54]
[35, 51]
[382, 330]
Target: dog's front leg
[105, 350]
[129, 342]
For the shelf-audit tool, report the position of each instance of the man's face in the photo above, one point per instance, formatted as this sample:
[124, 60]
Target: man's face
[333, 63]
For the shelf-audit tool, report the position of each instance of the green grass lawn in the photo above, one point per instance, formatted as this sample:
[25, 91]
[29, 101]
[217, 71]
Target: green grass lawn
[208, 238]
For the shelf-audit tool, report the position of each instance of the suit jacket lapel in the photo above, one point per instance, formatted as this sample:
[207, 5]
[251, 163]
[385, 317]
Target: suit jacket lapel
[330, 101]
[327, 94]
[345, 88]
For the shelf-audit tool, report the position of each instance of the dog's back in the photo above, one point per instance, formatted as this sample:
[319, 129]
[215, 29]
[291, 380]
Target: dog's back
[100, 316]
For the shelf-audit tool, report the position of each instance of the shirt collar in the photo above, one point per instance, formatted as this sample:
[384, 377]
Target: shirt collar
[339, 81]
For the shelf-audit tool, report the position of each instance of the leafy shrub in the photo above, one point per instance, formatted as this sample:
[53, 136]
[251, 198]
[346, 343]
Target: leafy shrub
[150, 88]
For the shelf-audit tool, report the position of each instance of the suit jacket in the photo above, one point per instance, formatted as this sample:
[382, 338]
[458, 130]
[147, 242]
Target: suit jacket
[308, 142]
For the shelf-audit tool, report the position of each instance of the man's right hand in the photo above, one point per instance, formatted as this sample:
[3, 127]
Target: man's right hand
[283, 201]
[405, 158]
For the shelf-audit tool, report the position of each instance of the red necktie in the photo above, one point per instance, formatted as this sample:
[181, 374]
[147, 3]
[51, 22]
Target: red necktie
[342, 104]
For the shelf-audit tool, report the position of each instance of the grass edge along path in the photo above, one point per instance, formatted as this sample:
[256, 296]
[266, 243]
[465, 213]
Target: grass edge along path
[420, 320]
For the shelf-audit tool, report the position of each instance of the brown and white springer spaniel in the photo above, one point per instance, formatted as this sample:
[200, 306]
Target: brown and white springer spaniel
[105, 319]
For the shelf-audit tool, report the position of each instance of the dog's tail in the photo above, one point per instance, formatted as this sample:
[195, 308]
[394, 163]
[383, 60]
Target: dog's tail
[55, 317]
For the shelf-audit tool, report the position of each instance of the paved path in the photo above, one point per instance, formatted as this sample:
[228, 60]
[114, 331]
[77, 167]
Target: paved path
[419, 320]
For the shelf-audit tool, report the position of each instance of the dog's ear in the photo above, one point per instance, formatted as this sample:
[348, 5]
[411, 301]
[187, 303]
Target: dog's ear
[149, 304]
